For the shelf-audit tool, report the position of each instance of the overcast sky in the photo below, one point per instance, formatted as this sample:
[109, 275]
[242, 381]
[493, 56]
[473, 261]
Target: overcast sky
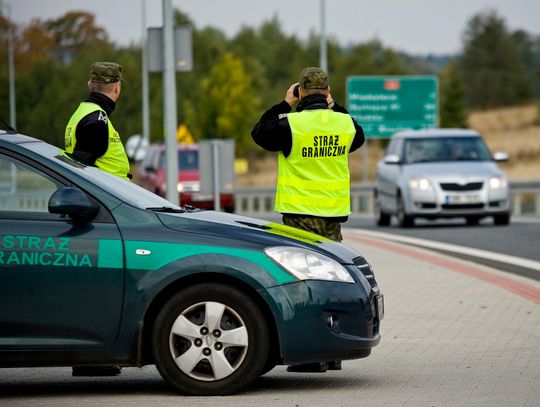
[414, 26]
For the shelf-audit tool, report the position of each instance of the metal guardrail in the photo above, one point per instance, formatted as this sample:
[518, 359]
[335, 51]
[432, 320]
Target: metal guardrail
[525, 199]
[24, 201]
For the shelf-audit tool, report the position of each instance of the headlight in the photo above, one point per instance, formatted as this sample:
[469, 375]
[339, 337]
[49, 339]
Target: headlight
[420, 183]
[498, 182]
[308, 265]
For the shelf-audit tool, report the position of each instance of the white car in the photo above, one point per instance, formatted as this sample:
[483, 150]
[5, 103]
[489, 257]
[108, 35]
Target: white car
[440, 173]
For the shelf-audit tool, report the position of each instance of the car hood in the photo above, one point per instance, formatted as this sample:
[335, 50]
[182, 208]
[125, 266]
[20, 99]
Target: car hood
[452, 170]
[252, 233]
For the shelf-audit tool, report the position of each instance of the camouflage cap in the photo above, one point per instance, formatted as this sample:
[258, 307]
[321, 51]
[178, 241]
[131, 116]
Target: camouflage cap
[106, 72]
[313, 78]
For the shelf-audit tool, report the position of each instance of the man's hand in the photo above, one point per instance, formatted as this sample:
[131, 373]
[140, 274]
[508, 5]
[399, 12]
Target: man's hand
[329, 100]
[289, 97]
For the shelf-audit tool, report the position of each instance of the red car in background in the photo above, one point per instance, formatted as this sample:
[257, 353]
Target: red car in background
[151, 175]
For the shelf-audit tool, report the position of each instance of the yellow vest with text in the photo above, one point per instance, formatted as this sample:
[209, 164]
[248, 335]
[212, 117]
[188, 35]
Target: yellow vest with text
[114, 160]
[314, 178]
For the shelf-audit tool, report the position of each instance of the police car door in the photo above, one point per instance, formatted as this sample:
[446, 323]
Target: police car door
[61, 284]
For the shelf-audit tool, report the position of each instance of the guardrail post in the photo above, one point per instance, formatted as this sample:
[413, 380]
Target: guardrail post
[516, 205]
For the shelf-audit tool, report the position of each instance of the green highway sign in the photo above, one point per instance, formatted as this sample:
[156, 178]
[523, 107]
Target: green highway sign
[384, 105]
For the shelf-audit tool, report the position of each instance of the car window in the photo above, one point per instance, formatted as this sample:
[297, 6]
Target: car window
[121, 188]
[446, 149]
[24, 188]
[187, 159]
[395, 147]
[391, 149]
[147, 160]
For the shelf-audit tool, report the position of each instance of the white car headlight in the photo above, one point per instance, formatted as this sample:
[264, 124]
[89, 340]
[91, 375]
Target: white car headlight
[308, 265]
[498, 182]
[420, 183]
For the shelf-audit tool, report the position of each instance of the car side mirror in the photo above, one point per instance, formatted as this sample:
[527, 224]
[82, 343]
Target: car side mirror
[501, 156]
[74, 203]
[392, 159]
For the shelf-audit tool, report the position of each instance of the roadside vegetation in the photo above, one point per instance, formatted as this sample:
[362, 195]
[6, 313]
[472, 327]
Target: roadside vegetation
[492, 85]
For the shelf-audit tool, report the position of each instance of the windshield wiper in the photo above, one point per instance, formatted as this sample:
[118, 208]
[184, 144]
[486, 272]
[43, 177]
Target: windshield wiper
[190, 208]
[166, 209]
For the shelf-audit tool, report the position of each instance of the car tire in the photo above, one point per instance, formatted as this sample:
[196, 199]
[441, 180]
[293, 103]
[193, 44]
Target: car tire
[405, 221]
[210, 339]
[501, 220]
[382, 218]
[268, 367]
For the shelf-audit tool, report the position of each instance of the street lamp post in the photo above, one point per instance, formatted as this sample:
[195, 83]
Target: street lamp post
[323, 55]
[144, 73]
[169, 90]
[11, 67]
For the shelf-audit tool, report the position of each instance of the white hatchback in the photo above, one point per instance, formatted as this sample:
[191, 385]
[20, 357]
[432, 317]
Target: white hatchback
[440, 173]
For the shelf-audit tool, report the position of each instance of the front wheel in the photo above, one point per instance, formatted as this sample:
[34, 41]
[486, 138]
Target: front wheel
[405, 221]
[210, 339]
[382, 218]
[501, 219]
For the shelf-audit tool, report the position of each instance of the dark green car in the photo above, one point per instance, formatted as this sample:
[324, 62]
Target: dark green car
[97, 271]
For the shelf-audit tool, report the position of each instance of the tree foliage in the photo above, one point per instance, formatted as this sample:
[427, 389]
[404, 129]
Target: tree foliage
[493, 72]
[529, 53]
[232, 104]
[453, 110]
[235, 79]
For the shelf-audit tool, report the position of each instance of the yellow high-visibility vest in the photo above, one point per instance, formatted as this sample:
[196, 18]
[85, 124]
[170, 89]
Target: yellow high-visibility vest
[114, 160]
[314, 178]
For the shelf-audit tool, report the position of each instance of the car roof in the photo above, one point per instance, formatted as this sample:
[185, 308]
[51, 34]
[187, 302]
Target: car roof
[437, 133]
[16, 138]
[181, 146]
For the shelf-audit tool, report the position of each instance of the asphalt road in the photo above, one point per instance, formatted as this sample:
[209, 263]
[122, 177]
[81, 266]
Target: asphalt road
[521, 238]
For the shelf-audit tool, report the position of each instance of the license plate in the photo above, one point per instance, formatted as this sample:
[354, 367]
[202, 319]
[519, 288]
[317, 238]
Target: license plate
[462, 199]
[380, 306]
[200, 198]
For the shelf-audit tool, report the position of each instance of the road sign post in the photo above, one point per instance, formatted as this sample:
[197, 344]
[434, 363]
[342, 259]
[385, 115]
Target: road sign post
[384, 105]
[216, 168]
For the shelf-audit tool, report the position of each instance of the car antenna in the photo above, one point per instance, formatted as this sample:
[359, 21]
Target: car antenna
[6, 126]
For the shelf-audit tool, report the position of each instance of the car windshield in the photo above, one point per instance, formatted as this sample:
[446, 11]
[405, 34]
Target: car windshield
[121, 188]
[187, 160]
[435, 149]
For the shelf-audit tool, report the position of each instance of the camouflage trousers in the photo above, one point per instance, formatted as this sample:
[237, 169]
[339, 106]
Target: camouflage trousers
[326, 227]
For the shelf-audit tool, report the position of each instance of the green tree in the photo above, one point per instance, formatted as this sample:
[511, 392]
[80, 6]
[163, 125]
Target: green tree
[493, 72]
[220, 97]
[73, 31]
[230, 106]
[453, 110]
[529, 51]
[369, 58]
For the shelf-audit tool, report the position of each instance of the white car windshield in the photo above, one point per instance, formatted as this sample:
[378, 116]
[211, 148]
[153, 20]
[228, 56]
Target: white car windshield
[420, 150]
[121, 188]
